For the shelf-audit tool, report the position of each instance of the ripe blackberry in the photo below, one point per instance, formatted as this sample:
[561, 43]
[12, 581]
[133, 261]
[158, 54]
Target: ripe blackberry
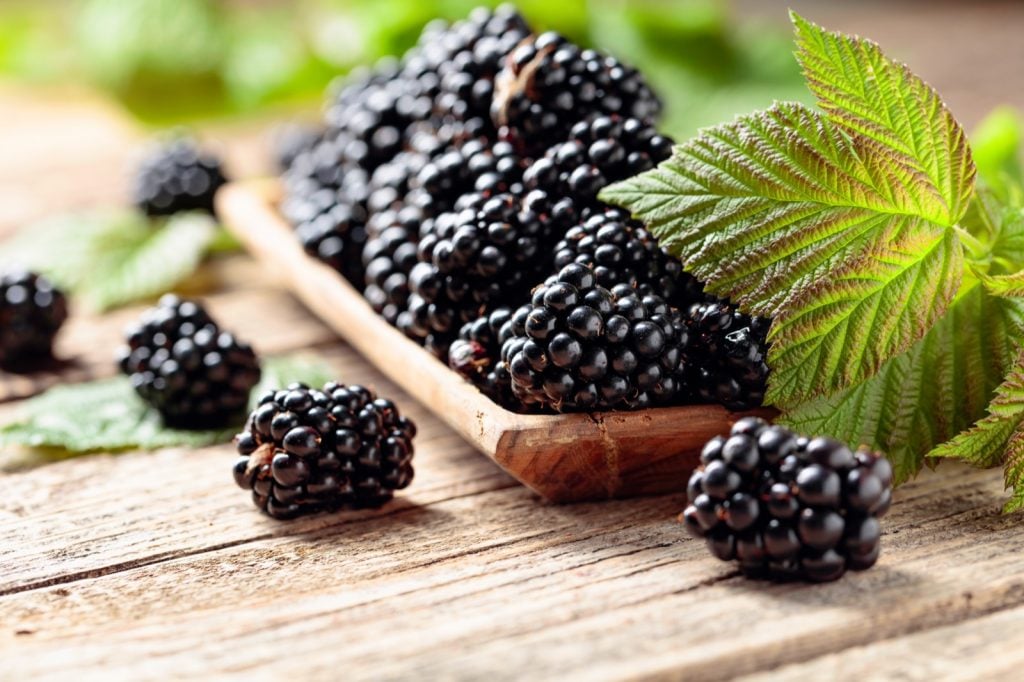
[786, 506]
[177, 176]
[486, 253]
[291, 140]
[332, 229]
[600, 150]
[620, 250]
[305, 450]
[587, 348]
[467, 57]
[180, 362]
[725, 359]
[547, 84]
[389, 256]
[476, 354]
[32, 311]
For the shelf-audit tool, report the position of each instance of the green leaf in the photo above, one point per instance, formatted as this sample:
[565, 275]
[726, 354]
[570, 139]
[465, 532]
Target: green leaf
[869, 94]
[110, 259]
[1014, 471]
[930, 393]
[101, 415]
[995, 146]
[844, 327]
[108, 415]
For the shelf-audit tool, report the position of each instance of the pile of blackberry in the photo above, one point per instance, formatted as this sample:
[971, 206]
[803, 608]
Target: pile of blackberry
[786, 506]
[305, 450]
[32, 311]
[181, 363]
[177, 176]
[449, 184]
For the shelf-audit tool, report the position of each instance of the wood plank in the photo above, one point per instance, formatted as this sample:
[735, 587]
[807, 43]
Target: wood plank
[253, 308]
[503, 585]
[986, 648]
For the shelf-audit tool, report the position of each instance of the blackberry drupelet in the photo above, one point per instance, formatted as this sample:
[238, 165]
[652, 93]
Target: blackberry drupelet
[32, 311]
[786, 506]
[587, 348]
[177, 176]
[180, 362]
[725, 359]
[621, 251]
[305, 450]
[600, 150]
[476, 354]
[548, 84]
[487, 253]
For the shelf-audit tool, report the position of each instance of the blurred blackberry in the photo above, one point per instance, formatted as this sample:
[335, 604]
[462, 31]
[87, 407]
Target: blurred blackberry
[467, 57]
[587, 348]
[389, 256]
[332, 230]
[176, 176]
[305, 450]
[600, 150]
[548, 84]
[620, 250]
[291, 140]
[474, 166]
[725, 359]
[32, 311]
[476, 354]
[786, 506]
[180, 362]
[487, 253]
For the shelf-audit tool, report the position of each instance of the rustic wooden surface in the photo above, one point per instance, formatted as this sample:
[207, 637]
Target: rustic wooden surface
[154, 566]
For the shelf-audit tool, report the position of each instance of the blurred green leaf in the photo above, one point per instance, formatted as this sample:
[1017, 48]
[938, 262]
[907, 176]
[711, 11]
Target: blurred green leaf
[112, 258]
[995, 146]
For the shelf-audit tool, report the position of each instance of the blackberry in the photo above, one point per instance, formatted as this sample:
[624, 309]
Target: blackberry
[620, 250]
[288, 142]
[305, 450]
[177, 176]
[467, 57]
[725, 359]
[486, 253]
[389, 256]
[786, 506]
[599, 151]
[180, 362]
[332, 230]
[476, 354]
[32, 311]
[548, 84]
[587, 348]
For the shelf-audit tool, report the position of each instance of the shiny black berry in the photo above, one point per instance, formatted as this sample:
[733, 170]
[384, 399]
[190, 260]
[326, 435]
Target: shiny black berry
[181, 363]
[305, 450]
[788, 507]
[32, 311]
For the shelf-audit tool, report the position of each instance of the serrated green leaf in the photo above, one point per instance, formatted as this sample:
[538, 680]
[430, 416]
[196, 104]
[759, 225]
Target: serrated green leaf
[113, 258]
[108, 416]
[870, 309]
[930, 393]
[869, 94]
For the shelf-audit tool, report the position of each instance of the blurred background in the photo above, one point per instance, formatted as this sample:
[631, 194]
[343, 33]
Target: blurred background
[82, 81]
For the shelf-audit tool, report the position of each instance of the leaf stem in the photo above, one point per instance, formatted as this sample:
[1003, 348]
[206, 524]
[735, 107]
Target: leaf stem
[975, 247]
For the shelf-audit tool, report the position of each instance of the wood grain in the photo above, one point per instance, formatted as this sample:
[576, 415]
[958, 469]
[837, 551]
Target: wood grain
[568, 457]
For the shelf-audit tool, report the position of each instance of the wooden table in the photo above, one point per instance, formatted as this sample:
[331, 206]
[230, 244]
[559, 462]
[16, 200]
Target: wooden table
[154, 565]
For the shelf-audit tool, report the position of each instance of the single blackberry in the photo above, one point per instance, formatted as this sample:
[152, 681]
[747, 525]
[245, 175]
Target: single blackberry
[485, 254]
[289, 141]
[332, 230]
[389, 256]
[32, 311]
[548, 84]
[305, 450]
[587, 348]
[476, 354]
[786, 506]
[725, 359]
[180, 362]
[600, 150]
[620, 250]
[177, 176]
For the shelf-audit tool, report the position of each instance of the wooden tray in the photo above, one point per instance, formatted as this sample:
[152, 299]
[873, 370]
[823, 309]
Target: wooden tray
[564, 458]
